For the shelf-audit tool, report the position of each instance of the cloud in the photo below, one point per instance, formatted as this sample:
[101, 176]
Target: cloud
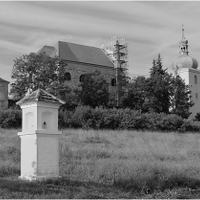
[149, 27]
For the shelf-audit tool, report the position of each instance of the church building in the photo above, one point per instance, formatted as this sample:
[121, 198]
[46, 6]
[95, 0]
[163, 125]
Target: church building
[81, 59]
[186, 67]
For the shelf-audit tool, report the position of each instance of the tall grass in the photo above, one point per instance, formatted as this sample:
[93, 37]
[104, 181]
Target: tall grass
[129, 159]
[132, 161]
[9, 153]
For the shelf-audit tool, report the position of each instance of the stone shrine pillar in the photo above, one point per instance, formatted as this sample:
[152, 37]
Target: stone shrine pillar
[39, 136]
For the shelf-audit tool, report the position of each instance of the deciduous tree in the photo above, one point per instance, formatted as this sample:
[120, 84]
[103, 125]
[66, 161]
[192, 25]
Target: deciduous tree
[94, 90]
[35, 71]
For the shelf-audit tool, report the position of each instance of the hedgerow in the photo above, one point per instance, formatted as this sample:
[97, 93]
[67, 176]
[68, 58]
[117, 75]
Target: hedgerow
[124, 119]
[114, 119]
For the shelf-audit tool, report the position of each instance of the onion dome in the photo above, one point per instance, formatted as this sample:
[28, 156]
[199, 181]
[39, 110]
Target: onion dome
[184, 60]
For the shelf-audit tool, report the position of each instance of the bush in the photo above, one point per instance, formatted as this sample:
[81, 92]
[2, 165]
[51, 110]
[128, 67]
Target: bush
[125, 119]
[10, 118]
[100, 118]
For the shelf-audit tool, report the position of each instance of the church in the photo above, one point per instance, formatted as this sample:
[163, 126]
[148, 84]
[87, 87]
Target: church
[81, 59]
[186, 67]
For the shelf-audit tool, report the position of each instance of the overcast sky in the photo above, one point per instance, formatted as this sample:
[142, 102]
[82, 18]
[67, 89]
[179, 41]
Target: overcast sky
[148, 27]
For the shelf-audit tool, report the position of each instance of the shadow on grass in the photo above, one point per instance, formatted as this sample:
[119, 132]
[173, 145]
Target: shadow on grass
[61, 188]
[158, 183]
[65, 188]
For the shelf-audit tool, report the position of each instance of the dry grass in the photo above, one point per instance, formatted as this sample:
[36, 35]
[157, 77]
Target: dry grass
[151, 164]
[115, 155]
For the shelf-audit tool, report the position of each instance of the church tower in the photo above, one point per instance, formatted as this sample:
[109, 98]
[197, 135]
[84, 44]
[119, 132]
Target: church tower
[186, 67]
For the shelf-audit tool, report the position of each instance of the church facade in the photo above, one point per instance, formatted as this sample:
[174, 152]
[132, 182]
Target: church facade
[186, 67]
[81, 59]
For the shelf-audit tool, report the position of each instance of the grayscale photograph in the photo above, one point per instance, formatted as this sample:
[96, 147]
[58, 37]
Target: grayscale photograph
[99, 100]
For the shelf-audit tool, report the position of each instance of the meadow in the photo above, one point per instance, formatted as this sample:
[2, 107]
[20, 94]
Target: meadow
[109, 164]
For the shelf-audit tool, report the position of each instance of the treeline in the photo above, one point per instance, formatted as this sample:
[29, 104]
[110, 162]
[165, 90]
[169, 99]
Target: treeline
[160, 102]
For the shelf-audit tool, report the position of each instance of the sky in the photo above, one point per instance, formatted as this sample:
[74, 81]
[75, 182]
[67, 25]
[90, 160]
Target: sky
[149, 27]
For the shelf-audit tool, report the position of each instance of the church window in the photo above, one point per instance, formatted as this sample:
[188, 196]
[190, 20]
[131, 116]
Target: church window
[82, 77]
[67, 76]
[196, 95]
[195, 79]
[113, 82]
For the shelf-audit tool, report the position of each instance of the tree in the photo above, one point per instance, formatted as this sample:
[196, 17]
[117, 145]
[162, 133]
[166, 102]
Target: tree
[135, 96]
[69, 94]
[157, 88]
[161, 92]
[35, 71]
[180, 97]
[94, 90]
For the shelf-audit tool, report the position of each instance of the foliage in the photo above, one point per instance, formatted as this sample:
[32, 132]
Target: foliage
[94, 90]
[125, 119]
[114, 119]
[69, 94]
[35, 71]
[180, 98]
[157, 89]
[160, 93]
[10, 118]
[134, 98]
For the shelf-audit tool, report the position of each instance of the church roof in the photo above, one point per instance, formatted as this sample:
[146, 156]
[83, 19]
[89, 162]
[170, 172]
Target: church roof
[40, 95]
[79, 53]
[2, 80]
[51, 51]
[184, 60]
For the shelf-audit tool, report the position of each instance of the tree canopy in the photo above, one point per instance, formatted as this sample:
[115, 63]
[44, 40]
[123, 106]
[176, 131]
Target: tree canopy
[94, 90]
[35, 71]
[160, 93]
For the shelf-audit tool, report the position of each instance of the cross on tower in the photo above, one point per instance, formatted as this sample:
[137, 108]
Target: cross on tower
[183, 37]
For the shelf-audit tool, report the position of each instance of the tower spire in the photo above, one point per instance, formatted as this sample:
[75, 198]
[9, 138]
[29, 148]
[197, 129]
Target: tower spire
[183, 44]
[183, 37]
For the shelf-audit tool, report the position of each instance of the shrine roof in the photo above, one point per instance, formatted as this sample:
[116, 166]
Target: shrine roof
[40, 95]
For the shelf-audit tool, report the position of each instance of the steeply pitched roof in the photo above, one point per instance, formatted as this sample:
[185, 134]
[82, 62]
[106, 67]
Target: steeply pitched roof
[79, 53]
[82, 53]
[40, 95]
[2, 80]
[51, 51]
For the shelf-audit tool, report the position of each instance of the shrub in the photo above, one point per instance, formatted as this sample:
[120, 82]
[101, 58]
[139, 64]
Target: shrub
[10, 118]
[111, 118]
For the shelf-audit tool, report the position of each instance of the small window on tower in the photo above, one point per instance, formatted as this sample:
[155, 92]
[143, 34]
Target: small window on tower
[196, 95]
[195, 79]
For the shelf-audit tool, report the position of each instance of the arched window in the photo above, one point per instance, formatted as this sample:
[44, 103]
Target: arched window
[113, 82]
[195, 79]
[67, 76]
[81, 79]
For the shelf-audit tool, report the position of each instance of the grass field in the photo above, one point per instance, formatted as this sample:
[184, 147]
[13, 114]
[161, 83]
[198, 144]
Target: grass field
[109, 164]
